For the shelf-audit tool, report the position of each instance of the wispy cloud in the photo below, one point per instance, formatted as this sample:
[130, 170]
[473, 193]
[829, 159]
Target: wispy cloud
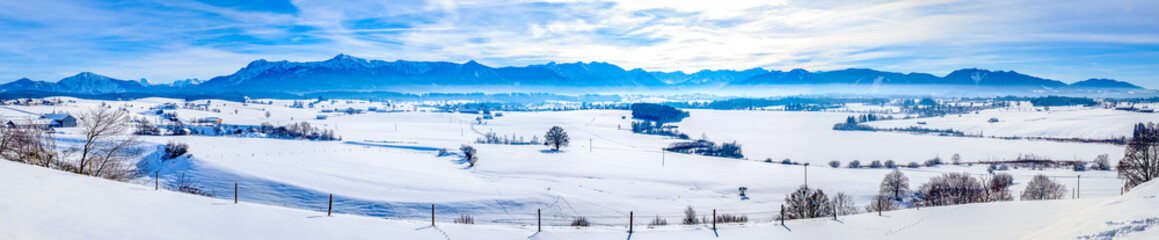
[170, 40]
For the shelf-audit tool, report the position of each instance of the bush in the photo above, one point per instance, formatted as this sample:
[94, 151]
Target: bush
[854, 164]
[728, 218]
[469, 154]
[658, 222]
[580, 222]
[913, 165]
[690, 217]
[998, 188]
[1042, 188]
[890, 164]
[1079, 166]
[934, 162]
[1101, 163]
[188, 185]
[174, 150]
[875, 164]
[465, 219]
[835, 164]
[950, 189]
[807, 203]
[787, 162]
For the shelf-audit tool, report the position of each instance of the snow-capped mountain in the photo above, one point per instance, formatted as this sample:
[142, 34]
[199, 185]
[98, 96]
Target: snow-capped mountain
[348, 73]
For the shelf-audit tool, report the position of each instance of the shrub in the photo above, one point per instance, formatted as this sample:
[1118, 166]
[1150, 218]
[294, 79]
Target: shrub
[998, 188]
[1042, 188]
[465, 219]
[890, 164]
[690, 217]
[934, 162]
[913, 165]
[854, 164]
[580, 222]
[174, 150]
[835, 164]
[658, 222]
[1101, 163]
[469, 154]
[728, 218]
[787, 162]
[806, 203]
[188, 185]
[875, 164]
[950, 189]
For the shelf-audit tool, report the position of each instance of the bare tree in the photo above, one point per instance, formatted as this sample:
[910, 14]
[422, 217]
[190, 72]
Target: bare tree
[107, 145]
[30, 145]
[882, 204]
[556, 137]
[998, 187]
[1140, 162]
[690, 217]
[895, 185]
[956, 159]
[807, 203]
[1042, 188]
[469, 154]
[950, 189]
[844, 204]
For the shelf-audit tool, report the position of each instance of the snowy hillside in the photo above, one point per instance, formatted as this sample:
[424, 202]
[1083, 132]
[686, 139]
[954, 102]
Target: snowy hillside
[55, 205]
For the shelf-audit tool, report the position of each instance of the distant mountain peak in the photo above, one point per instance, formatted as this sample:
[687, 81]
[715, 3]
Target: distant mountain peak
[1104, 83]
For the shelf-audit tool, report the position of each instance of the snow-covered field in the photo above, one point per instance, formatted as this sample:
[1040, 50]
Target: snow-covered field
[387, 166]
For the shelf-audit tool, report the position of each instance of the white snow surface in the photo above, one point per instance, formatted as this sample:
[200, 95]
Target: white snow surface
[387, 166]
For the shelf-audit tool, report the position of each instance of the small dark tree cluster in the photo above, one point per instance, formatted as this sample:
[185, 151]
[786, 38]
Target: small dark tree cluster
[657, 113]
[657, 128]
[301, 130]
[465, 219]
[854, 164]
[835, 164]
[708, 148]
[729, 218]
[658, 222]
[998, 187]
[580, 222]
[174, 150]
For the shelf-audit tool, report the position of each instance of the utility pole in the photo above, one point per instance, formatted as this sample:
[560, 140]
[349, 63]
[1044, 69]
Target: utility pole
[806, 175]
[1079, 187]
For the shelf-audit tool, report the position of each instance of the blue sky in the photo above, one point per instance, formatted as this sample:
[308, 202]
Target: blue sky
[178, 39]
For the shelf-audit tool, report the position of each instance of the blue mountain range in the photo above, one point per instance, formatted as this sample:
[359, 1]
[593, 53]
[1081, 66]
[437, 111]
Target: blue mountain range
[348, 73]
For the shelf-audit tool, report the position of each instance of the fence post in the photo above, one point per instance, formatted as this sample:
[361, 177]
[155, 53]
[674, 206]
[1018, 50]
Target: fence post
[782, 214]
[330, 206]
[1079, 188]
[714, 219]
[157, 180]
[432, 214]
[918, 204]
[631, 220]
[234, 193]
[538, 220]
